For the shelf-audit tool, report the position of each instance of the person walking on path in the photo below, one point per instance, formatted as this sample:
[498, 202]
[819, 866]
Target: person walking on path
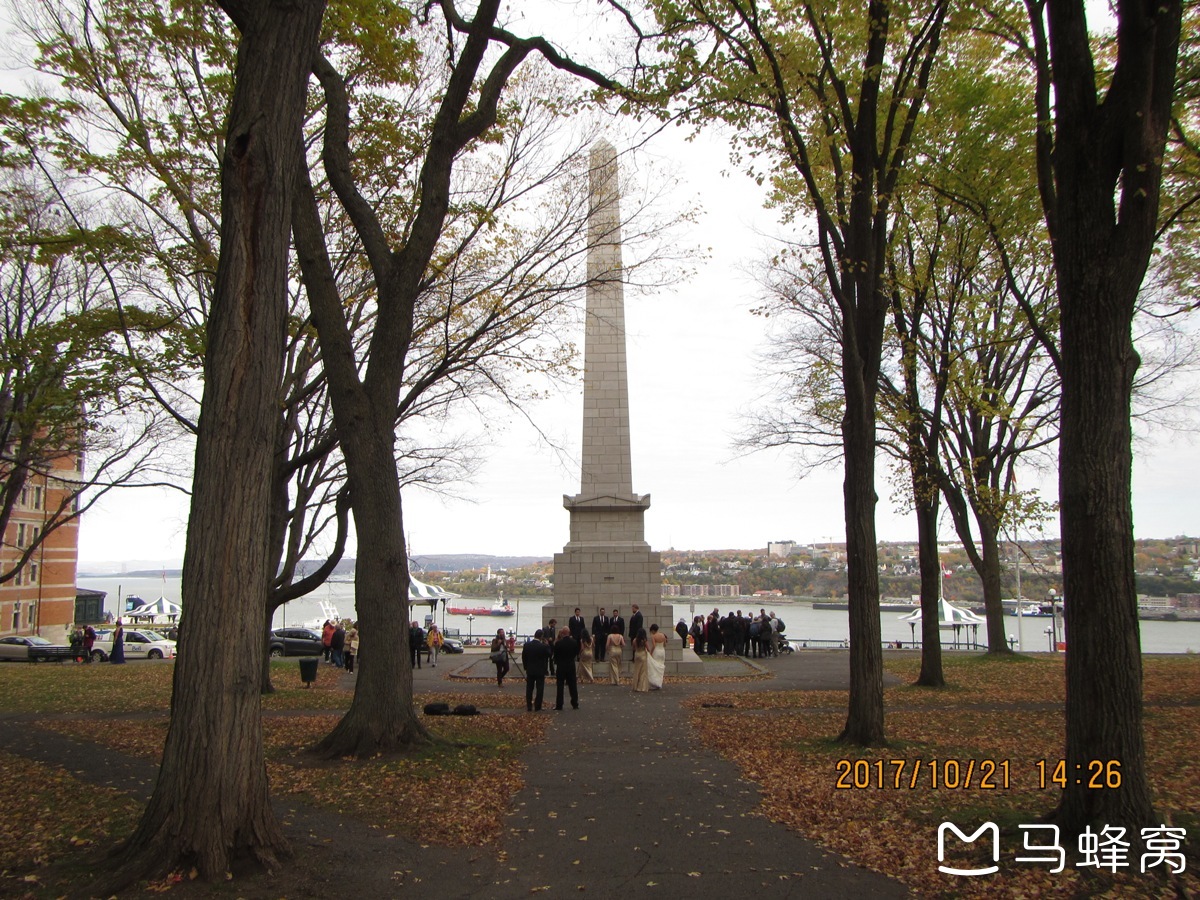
[416, 640]
[499, 656]
[640, 678]
[326, 637]
[434, 641]
[535, 657]
[587, 653]
[351, 647]
[566, 648]
[600, 634]
[337, 646]
[616, 647]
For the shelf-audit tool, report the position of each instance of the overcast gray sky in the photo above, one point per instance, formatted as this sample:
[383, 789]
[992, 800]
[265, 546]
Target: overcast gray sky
[691, 354]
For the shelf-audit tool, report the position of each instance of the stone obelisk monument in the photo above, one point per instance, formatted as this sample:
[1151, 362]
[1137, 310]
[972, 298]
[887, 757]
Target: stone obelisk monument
[607, 563]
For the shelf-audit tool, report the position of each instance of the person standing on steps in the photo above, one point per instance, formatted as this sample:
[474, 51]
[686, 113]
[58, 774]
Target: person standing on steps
[566, 649]
[576, 625]
[616, 623]
[636, 623]
[600, 634]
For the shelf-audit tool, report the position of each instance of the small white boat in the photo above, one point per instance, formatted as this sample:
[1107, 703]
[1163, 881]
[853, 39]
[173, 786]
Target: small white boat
[1025, 609]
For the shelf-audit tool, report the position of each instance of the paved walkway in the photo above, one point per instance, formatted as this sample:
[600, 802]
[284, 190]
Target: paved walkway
[619, 800]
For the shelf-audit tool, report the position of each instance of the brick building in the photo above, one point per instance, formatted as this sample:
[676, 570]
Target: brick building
[41, 598]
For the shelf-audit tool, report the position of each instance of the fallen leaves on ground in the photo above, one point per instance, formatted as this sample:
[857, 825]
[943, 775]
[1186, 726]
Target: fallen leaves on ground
[894, 829]
[454, 791]
[430, 795]
[52, 813]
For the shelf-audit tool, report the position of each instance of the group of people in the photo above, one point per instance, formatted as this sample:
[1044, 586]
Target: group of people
[340, 644]
[83, 642]
[425, 640]
[735, 634]
[569, 653]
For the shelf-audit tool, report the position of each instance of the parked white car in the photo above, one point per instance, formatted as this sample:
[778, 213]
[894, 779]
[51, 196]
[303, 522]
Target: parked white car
[140, 643]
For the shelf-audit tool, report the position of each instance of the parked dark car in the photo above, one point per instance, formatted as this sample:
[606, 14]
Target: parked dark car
[295, 642]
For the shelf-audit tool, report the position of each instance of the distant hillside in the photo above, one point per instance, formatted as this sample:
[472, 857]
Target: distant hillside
[456, 562]
[433, 562]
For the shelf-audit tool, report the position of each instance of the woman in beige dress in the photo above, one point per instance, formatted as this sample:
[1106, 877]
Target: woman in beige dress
[656, 658]
[641, 677]
[612, 654]
[583, 666]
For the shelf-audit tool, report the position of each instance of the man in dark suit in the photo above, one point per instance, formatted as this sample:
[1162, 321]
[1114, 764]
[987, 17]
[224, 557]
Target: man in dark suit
[599, 634]
[535, 657]
[566, 648]
[635, 623]
[576, 625]
[616, 625]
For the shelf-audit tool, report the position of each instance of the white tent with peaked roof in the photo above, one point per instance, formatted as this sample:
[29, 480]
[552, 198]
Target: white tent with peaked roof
[161, 611]
[949, 615]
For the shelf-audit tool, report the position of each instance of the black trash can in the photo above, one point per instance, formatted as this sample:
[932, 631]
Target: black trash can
[308, 670]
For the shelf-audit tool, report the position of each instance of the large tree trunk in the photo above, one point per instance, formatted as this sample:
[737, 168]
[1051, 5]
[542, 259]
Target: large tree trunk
[210, 803]
[864, 720]
[1100, 175]
[1104, 659]
[931, 576]
[993, 601]
[381, 717]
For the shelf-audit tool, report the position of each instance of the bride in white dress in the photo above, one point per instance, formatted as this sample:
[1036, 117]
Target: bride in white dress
[656, 658]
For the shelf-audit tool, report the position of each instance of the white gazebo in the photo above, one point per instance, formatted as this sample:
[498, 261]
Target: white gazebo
[949, 617]
[156, 612]
[420, 593]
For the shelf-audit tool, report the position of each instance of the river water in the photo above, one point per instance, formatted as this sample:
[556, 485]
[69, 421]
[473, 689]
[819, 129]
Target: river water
[821, 626]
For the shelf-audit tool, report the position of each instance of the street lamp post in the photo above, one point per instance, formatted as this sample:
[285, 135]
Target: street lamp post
[470, 626]
[1052, 595]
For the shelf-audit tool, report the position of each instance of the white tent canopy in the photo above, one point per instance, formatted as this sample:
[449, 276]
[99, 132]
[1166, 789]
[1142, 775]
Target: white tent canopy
[948, 614]
[161, 610]
[420, 592]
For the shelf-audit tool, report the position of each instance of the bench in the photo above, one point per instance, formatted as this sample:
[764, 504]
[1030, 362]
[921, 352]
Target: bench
[48, 654]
